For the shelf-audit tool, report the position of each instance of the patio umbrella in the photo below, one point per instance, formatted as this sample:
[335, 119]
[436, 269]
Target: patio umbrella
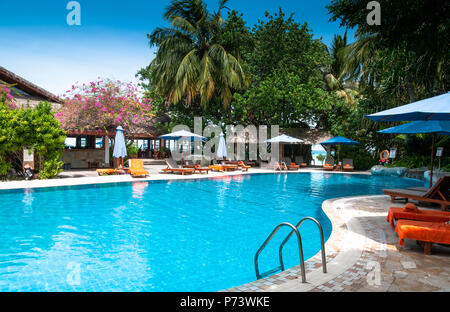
[182, 134]
[120, 149]
[222, 148]
[339, 141]
[435, 108]
[286, 139]
[433, 127]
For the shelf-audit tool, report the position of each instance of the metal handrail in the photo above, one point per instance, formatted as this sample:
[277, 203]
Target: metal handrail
[280, 250]
[322, 242]
[300, 249]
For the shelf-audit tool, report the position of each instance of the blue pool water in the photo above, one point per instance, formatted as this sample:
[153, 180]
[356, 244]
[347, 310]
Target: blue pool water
[196, 235]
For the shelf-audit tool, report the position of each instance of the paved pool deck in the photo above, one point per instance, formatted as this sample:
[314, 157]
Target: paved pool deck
[363, 253]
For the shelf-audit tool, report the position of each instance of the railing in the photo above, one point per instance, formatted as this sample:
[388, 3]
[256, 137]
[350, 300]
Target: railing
[300, 247]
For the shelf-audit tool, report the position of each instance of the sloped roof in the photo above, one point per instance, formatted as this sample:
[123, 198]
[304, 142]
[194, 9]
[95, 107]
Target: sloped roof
[26, 86]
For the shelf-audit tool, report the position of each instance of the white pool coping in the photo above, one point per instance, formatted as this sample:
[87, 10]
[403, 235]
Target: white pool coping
[11, 185]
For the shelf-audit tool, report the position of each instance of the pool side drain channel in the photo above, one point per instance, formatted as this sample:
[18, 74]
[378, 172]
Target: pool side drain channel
[294, 229]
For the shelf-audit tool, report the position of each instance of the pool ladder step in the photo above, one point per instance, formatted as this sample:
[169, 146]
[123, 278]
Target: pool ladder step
[294, 229]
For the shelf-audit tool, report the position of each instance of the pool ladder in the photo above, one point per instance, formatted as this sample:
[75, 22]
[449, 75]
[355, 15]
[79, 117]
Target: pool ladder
[300, 249]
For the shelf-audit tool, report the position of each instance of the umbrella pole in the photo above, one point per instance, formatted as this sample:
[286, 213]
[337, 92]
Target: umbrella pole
[432, 159]
[338, 152]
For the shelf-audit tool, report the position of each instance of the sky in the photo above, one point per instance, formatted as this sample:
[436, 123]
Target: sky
[111, 42]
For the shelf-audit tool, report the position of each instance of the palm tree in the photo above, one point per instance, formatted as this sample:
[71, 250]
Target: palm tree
[337, 78]
[191, 65]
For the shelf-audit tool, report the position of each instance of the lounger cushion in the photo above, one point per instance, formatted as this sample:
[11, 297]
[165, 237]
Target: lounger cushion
[409, 207]
[139, 172]
[433, 232]
[396, 213]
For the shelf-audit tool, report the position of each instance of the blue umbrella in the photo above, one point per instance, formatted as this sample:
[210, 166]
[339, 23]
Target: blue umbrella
[435, 108]
[120, 149]
[339, 141]
[434, 127]
[222, 148]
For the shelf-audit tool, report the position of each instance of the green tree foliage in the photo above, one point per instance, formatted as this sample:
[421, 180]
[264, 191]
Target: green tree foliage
[416, 28]
[283, 64]
[30, 127]
[403, 60]
[191, 65]
[287, 86]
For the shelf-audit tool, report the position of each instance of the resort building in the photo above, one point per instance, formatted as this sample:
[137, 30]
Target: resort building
[26, 93]
[84, 149]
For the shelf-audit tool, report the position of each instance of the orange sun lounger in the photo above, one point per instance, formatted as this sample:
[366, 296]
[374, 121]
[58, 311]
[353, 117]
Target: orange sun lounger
[410, 213]
[224, 167]
[421, 231]
[243, 166]
[137, 168]
[328, 167]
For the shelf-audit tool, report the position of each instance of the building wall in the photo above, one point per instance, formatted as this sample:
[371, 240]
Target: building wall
[32, 103]
[80, 158]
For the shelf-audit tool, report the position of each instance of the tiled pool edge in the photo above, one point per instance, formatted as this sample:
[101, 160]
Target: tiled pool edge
[348, 253]
[13, 185]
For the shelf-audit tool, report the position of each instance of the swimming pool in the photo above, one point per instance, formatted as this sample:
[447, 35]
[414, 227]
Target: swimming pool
[195, 235]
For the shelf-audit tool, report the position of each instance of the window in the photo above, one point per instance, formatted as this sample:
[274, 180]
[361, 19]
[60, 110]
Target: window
[99, 142]
[143, 145]
[71, 142]
[84, 142]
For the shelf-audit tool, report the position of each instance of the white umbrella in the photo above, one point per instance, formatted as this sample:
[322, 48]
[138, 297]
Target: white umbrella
[181, 134]
[222, 148]
[284, 139]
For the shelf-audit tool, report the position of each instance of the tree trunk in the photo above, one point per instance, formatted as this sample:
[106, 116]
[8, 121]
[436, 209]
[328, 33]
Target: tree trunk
[410, 88]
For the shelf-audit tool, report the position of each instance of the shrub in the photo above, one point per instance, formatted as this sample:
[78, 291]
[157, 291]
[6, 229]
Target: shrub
[30, 127]
[51, 168]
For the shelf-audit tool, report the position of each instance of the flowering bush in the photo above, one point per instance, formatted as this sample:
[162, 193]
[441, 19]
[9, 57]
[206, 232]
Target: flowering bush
[6, 97]
[104, 105]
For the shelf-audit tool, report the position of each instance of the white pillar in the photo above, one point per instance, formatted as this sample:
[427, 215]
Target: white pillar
[107, 150]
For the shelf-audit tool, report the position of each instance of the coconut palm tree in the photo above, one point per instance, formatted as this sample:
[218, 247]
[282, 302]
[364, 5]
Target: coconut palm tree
[337, 78]
[191, 65]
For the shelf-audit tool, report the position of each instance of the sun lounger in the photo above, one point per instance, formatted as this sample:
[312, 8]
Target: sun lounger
[290, 165]
[299, 161]
[347, 164]
[329, 165]
[201, 169]
[411, 212]
[278, 165]
[439, 193]
[423, 232]
[172, 167]
[105, 172]
[137, 168]
[223, 167]
[243, 166]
